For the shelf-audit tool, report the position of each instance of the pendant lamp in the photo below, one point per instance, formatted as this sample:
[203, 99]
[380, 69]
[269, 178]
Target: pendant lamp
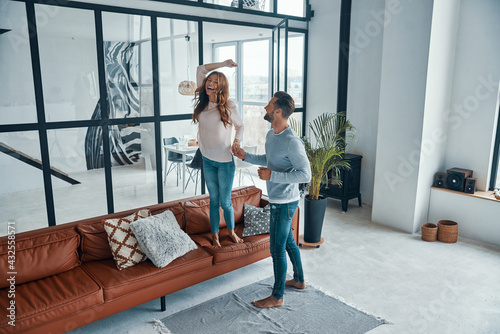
[187, 87]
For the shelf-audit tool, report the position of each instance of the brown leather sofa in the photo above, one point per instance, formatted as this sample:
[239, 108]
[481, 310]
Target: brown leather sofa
[64, 276]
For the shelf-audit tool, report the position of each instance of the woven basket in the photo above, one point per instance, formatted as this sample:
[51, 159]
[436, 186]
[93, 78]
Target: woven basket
[429, 232]
[447, 231]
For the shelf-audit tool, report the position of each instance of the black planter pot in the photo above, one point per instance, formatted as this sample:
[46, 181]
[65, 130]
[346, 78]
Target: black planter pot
[314, 214]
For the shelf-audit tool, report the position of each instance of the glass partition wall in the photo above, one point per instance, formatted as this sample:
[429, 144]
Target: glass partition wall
[83, 135]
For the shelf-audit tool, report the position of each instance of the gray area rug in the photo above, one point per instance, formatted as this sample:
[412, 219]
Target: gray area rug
[305, 311]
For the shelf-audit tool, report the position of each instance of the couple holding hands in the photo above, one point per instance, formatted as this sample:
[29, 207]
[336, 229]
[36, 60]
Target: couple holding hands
[283, 167]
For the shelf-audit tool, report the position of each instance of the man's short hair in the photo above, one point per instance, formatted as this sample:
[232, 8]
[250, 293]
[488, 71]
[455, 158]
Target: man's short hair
[284, 102]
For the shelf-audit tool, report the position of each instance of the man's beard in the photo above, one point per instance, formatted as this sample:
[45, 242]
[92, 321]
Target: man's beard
[269, 118]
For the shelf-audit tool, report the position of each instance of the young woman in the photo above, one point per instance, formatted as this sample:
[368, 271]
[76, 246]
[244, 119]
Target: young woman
[216, 116]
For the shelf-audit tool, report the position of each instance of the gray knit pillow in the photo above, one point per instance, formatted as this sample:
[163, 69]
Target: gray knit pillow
[256, 220]
[161, 238]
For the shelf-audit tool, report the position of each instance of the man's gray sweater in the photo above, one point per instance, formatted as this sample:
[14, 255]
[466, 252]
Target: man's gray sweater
[286, 158]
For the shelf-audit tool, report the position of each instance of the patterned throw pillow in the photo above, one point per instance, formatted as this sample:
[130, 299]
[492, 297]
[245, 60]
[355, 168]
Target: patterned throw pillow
[256, 220]
[124, 246]
[162, 239]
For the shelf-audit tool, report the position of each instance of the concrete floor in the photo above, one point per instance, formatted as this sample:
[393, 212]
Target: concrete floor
[418, 287]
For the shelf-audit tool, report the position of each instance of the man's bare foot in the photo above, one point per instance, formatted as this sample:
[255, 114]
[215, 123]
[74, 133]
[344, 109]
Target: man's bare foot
[295, 284]
[268, 302]
[215, 240]
[234, 237]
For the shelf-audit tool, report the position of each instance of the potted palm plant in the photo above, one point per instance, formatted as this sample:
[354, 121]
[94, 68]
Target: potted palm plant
[325, 154]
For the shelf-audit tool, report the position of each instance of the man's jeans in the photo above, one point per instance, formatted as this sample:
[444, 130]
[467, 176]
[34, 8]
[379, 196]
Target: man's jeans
[281, 240]
[219, 178]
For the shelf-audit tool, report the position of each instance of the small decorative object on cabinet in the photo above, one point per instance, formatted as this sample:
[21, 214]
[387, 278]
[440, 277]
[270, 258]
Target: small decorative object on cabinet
[350, 182]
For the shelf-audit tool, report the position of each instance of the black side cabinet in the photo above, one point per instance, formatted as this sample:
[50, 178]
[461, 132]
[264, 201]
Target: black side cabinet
[350, 183]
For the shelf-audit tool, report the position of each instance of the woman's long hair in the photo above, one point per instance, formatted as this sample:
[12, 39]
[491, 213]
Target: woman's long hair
[222, 95]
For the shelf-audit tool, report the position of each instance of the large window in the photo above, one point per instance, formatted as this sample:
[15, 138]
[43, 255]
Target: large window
[296, 67]
[177, 62]
[17, 102]
[228, 51]
[291, 7]
[127, 54]
[84, 100]
[284, 7]
[22, 197]
[67, 154]
[68, 61]
[260, 5]
[250, 82]
[255, 71]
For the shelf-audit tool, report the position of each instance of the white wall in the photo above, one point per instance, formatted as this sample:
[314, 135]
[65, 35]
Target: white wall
[323, 58]
[368, 19]
[471, 119]
[477, 218]
[401, 113]
[365, 59]
[437, 100]
[475, 89]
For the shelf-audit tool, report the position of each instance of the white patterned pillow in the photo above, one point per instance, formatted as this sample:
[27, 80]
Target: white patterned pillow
[161, 238]
[256, 220]
[124, 247]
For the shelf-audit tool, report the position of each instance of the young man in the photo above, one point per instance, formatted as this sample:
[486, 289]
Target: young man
[286, 166]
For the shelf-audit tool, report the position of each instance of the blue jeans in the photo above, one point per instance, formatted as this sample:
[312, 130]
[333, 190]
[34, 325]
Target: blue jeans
[219, 178]
[282, 239]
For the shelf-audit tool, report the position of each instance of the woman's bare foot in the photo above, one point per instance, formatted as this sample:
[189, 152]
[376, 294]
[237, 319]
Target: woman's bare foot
[234, 237]
[295, 284]
[268, 302]
[215, 240]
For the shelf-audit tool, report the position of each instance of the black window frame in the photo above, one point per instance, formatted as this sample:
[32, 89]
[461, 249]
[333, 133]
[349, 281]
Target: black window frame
[496, 157]
[42, 126]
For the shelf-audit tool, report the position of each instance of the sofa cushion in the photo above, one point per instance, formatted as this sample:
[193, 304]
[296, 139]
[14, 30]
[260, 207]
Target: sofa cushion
[197, 212]
[118, 283]
[249, 195]
[124, 246]
[40, 255]
[257, 220]
[51, 298]
[177, 209]
[161, 238]
[229, 249]
[95, 245]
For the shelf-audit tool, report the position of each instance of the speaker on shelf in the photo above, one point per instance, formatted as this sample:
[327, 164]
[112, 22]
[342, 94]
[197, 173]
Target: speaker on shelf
[455, 178]
[439, 180]
[470, 185]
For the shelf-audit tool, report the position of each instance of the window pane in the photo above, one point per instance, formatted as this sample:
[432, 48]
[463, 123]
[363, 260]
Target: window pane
[282, 54]
[134, 176]
[68, 62]
[256, 71]
[22, 183]
[127, 53]
[262, 5]
[178, 59]
[296, 67]
[182, 131]
[255, 127]
[17, 96]
[222, 53]
[291, 7]
[497, 183]
[298, 116]
[232, 3]
[67, 151]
